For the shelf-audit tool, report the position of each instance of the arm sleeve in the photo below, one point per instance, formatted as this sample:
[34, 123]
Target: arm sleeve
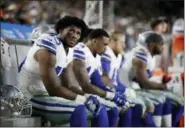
[97, 81]
[120, 87]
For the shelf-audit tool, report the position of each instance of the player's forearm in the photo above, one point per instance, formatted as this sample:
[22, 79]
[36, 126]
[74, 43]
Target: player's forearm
[61, 91]
[92, 89]
[55, 89]
[76, 90]
[152, 85]
[108, 82]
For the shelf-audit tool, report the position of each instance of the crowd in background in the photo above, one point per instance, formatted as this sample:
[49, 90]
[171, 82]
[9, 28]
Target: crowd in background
[37, 12]
[131, 18]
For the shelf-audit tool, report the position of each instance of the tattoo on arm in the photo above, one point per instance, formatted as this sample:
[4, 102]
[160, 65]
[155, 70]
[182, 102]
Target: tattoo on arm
[81, 74]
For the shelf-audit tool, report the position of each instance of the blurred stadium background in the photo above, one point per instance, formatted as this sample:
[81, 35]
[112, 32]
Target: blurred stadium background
[126, 15]
[20, 17]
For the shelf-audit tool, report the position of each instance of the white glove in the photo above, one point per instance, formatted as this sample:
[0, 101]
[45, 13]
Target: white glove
[175, 84]
[130, 93]
[157, 79]
[135, 85]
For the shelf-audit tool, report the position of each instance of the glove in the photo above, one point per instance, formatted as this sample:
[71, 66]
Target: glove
[157, 79]
[175, 84]
[93, 104]
[118, 98]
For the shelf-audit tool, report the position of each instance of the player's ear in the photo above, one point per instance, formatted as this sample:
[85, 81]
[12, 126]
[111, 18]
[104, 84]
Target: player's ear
[94, 41]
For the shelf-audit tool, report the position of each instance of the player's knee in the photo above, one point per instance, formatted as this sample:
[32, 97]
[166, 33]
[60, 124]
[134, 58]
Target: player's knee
[114, 111]
[162, 99]
[79, 110]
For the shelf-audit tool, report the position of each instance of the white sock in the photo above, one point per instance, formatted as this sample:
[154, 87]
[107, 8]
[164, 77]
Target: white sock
[167, 120]
[157, 120]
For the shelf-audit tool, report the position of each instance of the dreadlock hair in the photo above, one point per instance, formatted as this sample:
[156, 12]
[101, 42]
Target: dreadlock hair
[71, 20]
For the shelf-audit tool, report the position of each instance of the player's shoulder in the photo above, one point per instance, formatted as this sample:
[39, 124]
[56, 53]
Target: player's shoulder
[108, 53]
[106, 57]
[46, 36]
[140, 51]
[80, 46]
[49, 38]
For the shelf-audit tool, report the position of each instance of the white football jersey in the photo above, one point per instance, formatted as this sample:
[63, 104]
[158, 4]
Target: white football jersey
[98, 61]
[126, 73]
[82, 52]
[113, 62]
[30, 81]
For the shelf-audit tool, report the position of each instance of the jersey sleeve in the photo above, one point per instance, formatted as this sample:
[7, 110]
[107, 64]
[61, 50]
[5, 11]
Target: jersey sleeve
[141, 54]
[48, 42]
[79, 52]
[105, 62]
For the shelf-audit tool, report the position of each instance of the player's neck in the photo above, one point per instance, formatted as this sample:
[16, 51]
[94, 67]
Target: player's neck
[66, 47]
[112, 47]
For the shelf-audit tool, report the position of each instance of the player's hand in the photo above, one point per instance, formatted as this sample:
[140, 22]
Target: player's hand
[175, 84]
[93, 104]
[118, 98]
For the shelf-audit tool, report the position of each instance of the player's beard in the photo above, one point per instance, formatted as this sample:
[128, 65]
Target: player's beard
[156, 51]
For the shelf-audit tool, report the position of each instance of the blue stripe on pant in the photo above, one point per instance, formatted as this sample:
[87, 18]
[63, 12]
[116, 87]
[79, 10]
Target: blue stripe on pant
[54, 109]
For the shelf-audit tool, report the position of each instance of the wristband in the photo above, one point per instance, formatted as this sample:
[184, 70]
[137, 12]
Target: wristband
[110, 95]
[80, 99]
